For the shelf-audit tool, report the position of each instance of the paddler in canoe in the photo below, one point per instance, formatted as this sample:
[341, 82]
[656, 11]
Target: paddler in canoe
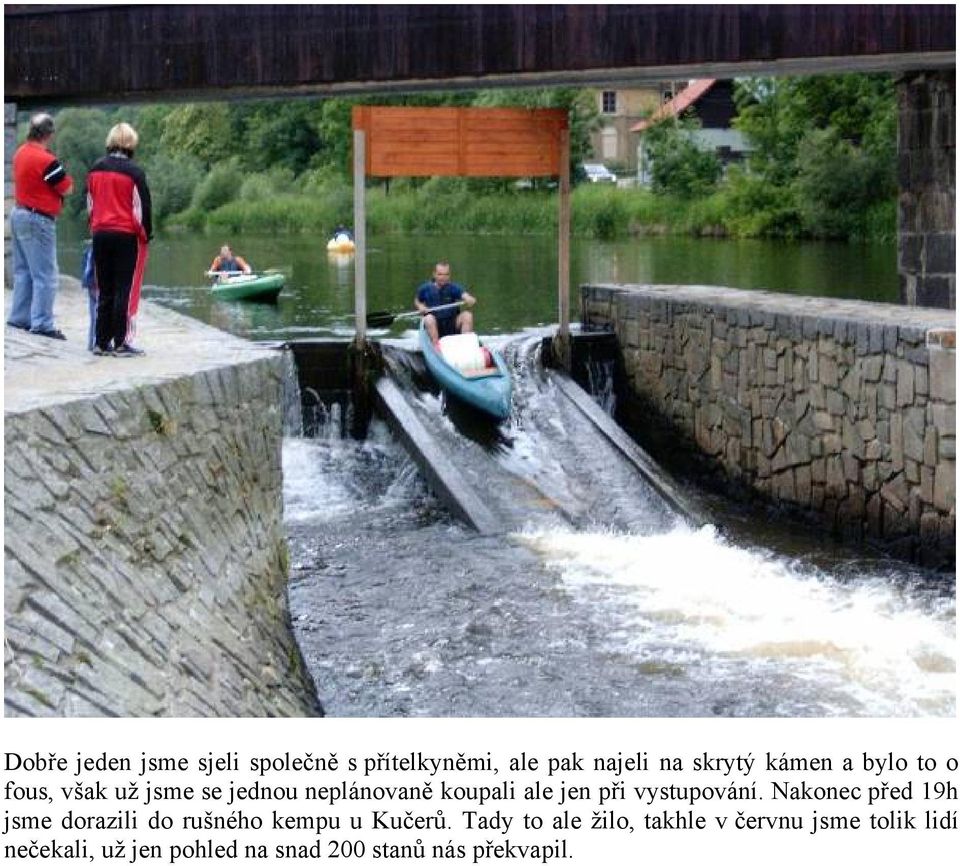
[439, 292]
[228, 264]
[234, 279]
[341, 241]
[453, 353]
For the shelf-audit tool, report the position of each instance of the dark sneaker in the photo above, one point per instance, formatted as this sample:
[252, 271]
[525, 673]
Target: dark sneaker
[100, 352]
[52, 333]
[19, 327]
[127, 352]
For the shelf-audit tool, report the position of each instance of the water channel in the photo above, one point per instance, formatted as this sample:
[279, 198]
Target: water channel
[606, 603]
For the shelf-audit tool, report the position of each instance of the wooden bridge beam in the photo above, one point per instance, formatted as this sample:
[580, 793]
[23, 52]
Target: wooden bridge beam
[58, 54]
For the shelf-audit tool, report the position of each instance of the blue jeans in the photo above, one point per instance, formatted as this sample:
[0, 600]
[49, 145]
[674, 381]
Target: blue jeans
[35, 274]
[92, 297]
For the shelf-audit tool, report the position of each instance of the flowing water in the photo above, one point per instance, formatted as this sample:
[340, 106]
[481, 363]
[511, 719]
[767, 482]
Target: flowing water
[604, 602]
[600, 601]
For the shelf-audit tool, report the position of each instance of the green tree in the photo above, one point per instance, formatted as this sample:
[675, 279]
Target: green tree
[776, 113]
[148, 121]
[334, 127]
[770, 119]
[204, 131]
[79, 143]
[837, 184]
[221, 185]
[824, 147]
[678, 165]
[754, 208]
[279, 134]
[172, 180]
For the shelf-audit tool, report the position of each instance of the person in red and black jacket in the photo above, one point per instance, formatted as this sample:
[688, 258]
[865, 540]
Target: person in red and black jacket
[40, 184]
[118, 203]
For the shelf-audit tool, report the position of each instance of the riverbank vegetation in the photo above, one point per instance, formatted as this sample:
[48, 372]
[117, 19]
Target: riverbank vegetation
[822, 165]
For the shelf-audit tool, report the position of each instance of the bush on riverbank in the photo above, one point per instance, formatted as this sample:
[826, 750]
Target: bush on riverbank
[743, 208]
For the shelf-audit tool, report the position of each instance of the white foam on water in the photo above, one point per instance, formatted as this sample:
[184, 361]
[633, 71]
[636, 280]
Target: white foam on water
[858, 646]
[311, 493]
[323, 477]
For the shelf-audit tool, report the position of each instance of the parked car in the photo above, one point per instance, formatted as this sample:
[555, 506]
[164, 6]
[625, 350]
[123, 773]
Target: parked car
[597, 172]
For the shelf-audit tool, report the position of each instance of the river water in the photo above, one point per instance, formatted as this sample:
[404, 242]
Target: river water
[514, 278]
[603, 602]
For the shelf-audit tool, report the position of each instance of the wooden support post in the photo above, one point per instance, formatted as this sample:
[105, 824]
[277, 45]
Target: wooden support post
[563, 256]
[561, 342]
[360, 236]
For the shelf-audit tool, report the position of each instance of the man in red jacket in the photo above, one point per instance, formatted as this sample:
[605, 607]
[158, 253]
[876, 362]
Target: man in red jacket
[40, 184]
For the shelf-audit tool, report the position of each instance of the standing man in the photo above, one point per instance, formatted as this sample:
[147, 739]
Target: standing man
[40, 184]
[438, 292]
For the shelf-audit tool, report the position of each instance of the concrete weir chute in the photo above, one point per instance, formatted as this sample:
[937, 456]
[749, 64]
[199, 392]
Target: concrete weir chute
[560, 460]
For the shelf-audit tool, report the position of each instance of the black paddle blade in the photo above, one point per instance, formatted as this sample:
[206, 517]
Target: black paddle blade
[380, 319]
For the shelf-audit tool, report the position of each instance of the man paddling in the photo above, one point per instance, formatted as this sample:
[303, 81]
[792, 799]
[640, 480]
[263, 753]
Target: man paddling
[227, 262]
[439, 292]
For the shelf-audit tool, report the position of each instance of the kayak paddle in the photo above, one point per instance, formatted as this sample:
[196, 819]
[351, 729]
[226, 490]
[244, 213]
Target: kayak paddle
[383, 319]
[267, 272]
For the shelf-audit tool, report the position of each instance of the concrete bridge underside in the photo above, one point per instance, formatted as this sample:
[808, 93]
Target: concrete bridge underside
[59, 55]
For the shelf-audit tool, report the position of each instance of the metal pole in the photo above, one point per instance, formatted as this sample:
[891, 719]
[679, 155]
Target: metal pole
[359, 236]
[563, 256]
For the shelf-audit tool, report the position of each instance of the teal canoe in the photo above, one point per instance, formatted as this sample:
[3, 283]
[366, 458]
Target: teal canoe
[489, 389]
[260, 287]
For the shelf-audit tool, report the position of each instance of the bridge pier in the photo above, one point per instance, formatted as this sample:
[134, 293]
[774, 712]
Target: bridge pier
[9, 146]
[926, 169]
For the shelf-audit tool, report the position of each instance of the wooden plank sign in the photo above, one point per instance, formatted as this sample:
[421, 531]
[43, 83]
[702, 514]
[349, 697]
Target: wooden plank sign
[463, 142]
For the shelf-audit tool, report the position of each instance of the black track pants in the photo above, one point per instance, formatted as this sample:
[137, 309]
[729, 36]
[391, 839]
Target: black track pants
[115, 259]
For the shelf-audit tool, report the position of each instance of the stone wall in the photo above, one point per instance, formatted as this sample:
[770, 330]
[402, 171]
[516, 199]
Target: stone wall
[844, 409]
[145, 559]
[9, 147]
[926, 165]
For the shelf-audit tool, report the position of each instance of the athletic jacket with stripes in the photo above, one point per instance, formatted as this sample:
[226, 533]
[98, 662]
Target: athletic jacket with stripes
[118, 198]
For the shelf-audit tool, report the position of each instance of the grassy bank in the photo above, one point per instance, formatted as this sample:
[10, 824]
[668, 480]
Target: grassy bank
[443, 205]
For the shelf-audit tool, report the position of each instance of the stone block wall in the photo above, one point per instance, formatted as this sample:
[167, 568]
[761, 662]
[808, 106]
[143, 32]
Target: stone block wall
[844, 409]
[9, 147]
[926, 166]
[145, 558]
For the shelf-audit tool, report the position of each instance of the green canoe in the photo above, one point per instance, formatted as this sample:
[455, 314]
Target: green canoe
[260, 287]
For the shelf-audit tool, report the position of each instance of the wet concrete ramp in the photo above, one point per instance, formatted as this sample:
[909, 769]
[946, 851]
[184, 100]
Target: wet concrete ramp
[558, 460]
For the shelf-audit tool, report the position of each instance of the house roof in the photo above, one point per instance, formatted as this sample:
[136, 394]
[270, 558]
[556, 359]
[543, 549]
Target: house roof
[679, 104]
